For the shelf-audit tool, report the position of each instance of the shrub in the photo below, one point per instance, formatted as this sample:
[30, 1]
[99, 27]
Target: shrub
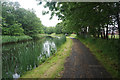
[13, 30]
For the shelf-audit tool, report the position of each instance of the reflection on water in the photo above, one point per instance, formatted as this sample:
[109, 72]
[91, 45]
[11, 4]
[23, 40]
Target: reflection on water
[16, 75]
[21, 57]
[47, 47]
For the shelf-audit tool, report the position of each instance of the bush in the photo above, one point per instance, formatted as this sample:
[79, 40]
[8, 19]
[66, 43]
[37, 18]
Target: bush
[13, 30]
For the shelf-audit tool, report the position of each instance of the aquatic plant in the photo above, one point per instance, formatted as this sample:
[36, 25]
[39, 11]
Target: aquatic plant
[25, 56]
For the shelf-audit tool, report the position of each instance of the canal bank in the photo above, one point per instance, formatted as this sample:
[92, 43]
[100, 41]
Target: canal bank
[53, 66]
[25, 56]
[17, 39]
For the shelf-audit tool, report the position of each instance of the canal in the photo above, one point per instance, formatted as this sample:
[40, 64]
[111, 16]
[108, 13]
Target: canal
[18, 58]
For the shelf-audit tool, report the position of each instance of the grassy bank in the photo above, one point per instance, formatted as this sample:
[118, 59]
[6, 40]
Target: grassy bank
[38, 36]
[106, 51]
[56, 35]
[8, 39]
[53, 65]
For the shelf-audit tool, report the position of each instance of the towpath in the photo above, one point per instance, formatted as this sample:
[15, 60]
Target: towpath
[83, 64]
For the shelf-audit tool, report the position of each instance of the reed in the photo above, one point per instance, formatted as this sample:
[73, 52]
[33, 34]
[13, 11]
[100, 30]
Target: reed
[25, 56]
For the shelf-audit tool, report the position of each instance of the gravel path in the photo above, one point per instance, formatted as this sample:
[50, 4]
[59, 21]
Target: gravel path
[82, 64]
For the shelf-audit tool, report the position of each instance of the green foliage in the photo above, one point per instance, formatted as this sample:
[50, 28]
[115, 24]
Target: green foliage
[16, 30]
[49, 30]
[62, 29]
[58, 29]
[13, 30]
[77, 16]
[30, 22]
[19, 21]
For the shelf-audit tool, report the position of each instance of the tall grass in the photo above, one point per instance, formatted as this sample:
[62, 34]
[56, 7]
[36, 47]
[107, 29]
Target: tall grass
[25, 56]
[60, 40]
[54, 65]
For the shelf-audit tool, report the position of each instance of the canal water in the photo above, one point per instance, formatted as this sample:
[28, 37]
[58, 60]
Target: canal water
[17, 58]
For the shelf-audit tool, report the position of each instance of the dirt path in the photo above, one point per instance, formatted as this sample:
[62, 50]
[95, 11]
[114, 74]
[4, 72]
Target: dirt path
[82, 64]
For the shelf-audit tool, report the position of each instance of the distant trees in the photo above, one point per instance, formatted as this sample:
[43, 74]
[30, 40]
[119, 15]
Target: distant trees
[19, 21]
[58, 29]
[49, 30]
[61, 29]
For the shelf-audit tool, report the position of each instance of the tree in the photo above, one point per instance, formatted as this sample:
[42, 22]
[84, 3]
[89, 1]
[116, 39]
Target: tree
[16, 30]
[61, 28]
[49, 30]
[80, 16]
[13, 15]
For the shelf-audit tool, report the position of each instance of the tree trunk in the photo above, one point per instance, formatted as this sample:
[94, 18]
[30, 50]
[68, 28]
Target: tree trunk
[101, 33]
[104, 33]
[98, 35]
[107, 31]
[98, 32]
[118, 21]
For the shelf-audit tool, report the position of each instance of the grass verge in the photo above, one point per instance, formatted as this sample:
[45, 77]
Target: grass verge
[8, 39]
[52, 67]
[56, 35]
[106, 51]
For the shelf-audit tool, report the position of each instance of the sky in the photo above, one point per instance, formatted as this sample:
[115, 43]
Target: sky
[29, 4]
